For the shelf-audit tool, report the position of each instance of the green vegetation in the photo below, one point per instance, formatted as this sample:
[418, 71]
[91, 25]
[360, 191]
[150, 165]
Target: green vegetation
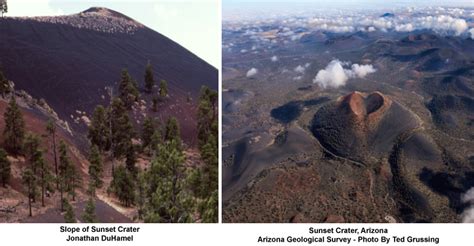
[3, 6]
[128, 90]
[149, 80]
[5, 168]
[163, 88]
[99, 129]
[69, 216]
[14, 131]
[95, 167]
[29, 181]
[51, 129]
[4, 83]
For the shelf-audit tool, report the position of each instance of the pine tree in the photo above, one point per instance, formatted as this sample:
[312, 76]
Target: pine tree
[5, 168]
[99, 132]
[209, 214]
[148, 129]
[128, 91]
[141, 194]
[207, 114]
[95, 167]
[156, 140]
[69, 216]
[3, 7]
[122, 128]
[163, 88]
[4, 83]
[51, 129]
[64, 171]
[172, 131]
[89, 215]
[169, 201]
[44, 175]
[29, 180]
[155, 101]
[131, 160]
[31, 148]
[149, 80]
[14, 131]
[74, 181]
[122, 186]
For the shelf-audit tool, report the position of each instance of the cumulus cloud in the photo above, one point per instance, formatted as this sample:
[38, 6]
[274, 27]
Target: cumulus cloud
[300, 69]
[335, 75]
[274, 58]
[252, 72]
[471, 31]
[468, 214]
[332, 76]
[362, 70]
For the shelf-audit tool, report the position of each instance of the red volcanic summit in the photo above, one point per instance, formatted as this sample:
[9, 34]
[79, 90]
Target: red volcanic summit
[361, 123]
[364, 106]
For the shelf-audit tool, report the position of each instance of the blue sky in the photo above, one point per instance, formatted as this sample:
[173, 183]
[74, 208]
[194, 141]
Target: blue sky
[194, 24]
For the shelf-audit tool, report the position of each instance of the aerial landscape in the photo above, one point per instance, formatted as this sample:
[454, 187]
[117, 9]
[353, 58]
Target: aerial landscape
[348, 112]
[103, 119]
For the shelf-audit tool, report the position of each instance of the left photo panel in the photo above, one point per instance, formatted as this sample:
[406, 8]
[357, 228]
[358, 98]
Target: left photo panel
[109, 111]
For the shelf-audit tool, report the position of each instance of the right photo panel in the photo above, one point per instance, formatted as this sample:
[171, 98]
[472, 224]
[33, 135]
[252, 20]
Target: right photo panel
[347, 111]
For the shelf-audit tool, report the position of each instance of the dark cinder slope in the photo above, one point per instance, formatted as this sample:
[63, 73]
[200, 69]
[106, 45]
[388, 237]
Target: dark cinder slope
[68, 60]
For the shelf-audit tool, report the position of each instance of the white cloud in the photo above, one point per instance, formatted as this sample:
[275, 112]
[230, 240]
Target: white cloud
[332, 76]
[252, 72]
[362, 70]
[335, 75]
[274, 58]
[404, 28]
[299, 69]
[471, 31]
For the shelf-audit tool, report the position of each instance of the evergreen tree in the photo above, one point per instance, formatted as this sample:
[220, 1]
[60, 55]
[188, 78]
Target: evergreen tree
[74, 181]
[131, 160]
[44, 174]
[209, 210]
[209, 155]
[32, 151]
[29, 180]
[3, 6]
[149, 80]
[89, 215]
[148, 129]
[4, 83]
[14, 131]
[69, 216]
[122, 186]
[141, 194]
[163, 88]
[99, 132]
[207, 115]
[5, 168]
[51, 129]
[156, 140]
[169, 201]
[95, 167]
[128, 91]
[155, 101]
[122, 129]
[64, 171]
[172, 131]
